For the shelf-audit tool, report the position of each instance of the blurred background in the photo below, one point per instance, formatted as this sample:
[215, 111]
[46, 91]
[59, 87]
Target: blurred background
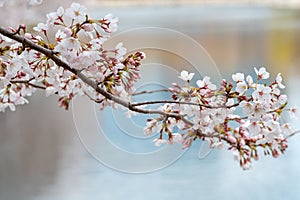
[42, 157]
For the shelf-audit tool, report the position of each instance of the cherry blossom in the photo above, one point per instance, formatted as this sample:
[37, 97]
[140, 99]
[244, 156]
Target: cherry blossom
[255, 128]
[243, 116]
[241, 87]
[262, 73]
[41, 27]
[238, 77]
[55, 17]
[158, 142]
[60, 35]
[279, 81]
[258, 126]
[184, 75]
[176, 138]
[250, 82]
[206, 83]
[76, 12]
[248, 107]
[109, 23]
[120, 51]
[34, 2]
[262, 93]
[293, 112]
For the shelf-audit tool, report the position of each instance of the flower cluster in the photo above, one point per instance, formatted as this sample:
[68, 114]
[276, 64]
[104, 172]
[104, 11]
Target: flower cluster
[245, 116]
[79, 43]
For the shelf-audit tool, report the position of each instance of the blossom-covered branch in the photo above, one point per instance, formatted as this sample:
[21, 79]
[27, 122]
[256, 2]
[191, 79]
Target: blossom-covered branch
[244, 115]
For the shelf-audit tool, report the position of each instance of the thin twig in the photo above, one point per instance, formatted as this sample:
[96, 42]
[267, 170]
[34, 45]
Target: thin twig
[150, 92]
[91, 98]
[21, 81]
[28, 82]
[182, 102]
[292, 134]
[37, 86]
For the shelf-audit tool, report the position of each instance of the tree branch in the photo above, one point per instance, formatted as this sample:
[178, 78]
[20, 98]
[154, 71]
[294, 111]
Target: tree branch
[150, 92]
[28, 82]
[182, 102]
[51, 54]
[37, 86]
[292, 134]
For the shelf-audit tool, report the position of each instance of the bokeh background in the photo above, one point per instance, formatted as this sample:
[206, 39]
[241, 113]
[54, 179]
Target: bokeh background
[41, 156]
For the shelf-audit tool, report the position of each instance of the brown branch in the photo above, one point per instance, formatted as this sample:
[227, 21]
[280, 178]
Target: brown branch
[37, 86]
[28, 82]
[91, 98]
[21, 81]
[183, 102]
[52, 55]
[150, 92]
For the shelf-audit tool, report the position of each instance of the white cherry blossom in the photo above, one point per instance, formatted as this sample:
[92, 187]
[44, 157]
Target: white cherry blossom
[41, 27]
[110, 23]
[34, 2]
[88, 27]
[158, 142]
[60, 35]
[176, 138]
[206, 83]
[250, 82]
[248, 107]
[76, 12]
[241, 87]
[293, 111]
[121, 51]
[279, 81]
[254, 128]
[262, 73]
[238, 77]
[282, 99]
[186, 76]
[55, 17]
[262, 93]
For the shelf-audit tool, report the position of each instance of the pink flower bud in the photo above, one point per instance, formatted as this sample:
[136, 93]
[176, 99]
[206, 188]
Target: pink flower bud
[88, 27]
[231, 138]
[28, 36]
